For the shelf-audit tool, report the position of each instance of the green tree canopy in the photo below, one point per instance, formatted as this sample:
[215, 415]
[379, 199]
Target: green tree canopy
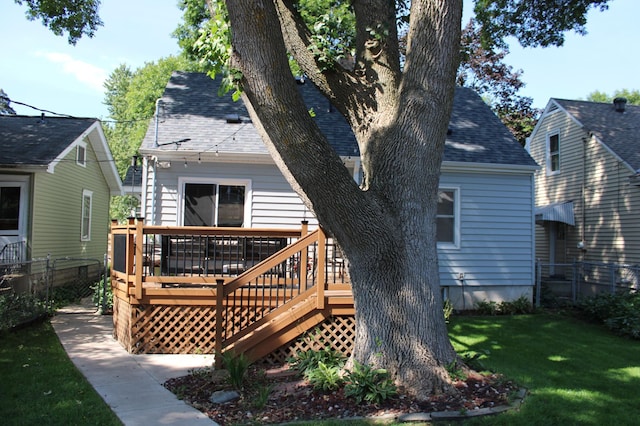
[632, 96]
[77, 18]
[130, 99]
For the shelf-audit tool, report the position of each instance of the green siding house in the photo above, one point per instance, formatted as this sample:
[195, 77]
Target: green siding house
[57, 176]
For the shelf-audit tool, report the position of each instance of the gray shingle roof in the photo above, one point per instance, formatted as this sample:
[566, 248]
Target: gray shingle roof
[191, 108]
[34, 141]
[620, 131]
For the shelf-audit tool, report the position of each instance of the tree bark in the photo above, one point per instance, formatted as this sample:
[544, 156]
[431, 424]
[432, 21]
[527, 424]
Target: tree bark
[387, 228]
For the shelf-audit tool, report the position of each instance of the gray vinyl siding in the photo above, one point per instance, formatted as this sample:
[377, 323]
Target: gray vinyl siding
[57, 210]
[609, 224]
[496, 222]
[273, 203]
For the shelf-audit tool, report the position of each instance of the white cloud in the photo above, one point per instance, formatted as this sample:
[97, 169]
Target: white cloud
[86, 73]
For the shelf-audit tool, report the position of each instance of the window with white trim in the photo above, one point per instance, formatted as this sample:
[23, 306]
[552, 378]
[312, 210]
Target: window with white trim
[553, 153]
[448, 218]
[81, 155]
[85, 227]
[214, 203]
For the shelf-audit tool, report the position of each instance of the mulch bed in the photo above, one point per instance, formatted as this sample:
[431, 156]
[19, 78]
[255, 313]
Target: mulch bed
[293, 399]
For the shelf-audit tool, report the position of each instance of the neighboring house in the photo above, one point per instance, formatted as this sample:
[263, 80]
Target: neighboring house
[588, 189]
[56, 179]
[205, 164]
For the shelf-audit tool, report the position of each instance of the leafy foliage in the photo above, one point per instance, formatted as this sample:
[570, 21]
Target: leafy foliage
[618, 312]
[365, 383]
[483, 69]
[17, 309]
[521, 305]
[632, 96]
[236, 366]
[533, 23]
[130, 98]
[5, 104]
[309, 360]
[76, 17]
[325, 377]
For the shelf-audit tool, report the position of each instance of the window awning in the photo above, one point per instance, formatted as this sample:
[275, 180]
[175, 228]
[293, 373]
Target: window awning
[557, 212]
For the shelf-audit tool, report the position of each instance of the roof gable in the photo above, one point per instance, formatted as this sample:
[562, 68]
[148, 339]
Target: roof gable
[31, 142]
[619, 131]
[192, 118]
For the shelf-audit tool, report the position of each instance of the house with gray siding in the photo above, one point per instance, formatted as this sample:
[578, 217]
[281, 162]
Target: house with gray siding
[57, 176]
[588, 186]
[203, 163]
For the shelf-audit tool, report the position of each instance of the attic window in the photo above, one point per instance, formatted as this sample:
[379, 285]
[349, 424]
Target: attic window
[81, 155]
[233, 118]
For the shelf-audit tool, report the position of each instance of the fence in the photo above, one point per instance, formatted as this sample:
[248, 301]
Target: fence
[47, 278]
[569, 282]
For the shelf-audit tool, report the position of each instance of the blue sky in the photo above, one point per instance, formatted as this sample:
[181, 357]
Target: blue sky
[42, 70]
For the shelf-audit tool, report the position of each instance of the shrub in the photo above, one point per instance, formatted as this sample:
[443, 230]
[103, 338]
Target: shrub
[309, 360]
[521, 305]
[364, 383]
[18, 309]
[325, 377]
[619, 312]
[487, 308]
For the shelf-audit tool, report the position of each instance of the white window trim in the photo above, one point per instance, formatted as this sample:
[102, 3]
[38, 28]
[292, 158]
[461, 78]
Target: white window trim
[456, 218]
[548, 153]
[215, 181]
[23, 183]
[86, 193]
[81, 161]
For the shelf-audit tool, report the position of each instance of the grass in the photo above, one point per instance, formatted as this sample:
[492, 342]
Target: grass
[577, 373]
[39, 385]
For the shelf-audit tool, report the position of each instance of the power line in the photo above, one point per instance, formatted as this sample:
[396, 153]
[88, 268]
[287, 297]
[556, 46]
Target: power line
[9, 101]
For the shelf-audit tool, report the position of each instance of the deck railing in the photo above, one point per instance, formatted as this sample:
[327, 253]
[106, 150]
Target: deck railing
[250, 275]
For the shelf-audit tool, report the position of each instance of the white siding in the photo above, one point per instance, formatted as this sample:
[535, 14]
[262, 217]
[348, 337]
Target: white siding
[273, 203]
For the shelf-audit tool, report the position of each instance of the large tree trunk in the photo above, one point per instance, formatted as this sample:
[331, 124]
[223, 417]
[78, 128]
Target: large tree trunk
[387, 228]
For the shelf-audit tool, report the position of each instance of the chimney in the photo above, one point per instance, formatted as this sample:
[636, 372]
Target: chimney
[620, 104]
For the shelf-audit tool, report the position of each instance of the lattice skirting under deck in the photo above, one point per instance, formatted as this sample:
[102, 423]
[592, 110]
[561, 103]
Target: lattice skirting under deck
[164, 329]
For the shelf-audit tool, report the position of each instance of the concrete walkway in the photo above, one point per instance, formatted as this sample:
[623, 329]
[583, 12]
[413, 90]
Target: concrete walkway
[130, 384]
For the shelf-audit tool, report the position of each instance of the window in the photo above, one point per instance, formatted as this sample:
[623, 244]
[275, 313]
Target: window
[85, 230]
[81, 155]
[553, 153]
[214, 204]
[448, 218]
[9, 208]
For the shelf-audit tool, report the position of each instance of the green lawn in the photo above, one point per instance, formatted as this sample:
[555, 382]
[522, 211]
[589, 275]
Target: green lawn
[39, 385]
[577, 373]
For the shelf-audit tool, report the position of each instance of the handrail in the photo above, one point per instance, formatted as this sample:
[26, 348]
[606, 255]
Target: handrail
[283, 268]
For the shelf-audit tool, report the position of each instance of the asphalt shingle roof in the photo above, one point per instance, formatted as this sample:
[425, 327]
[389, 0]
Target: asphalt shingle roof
[191, 108]
[620, 131]
[37, 141]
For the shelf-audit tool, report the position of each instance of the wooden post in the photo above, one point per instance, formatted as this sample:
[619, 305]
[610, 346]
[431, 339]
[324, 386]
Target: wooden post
[139, 261]
[219, 307]
[321, 258]
[304, 258]
[130, 253]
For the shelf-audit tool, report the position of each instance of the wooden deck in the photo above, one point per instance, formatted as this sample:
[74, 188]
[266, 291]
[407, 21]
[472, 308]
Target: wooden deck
[211, 290]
